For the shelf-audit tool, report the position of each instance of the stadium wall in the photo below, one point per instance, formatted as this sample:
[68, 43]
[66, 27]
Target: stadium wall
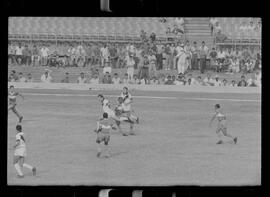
[165, 88]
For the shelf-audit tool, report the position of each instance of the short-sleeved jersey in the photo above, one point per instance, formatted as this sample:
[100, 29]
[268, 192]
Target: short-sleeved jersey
[127, 97]
[104, 125]
[106, 105]
[12, 97]
[220, 115]
[20, 138]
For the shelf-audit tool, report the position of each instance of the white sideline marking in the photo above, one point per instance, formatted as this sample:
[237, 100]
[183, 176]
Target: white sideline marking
[147, 97]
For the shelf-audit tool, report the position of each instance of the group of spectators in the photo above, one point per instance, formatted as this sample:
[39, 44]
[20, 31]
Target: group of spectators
[148, 57]
[250, 26]
[176, 28]
[181, 79]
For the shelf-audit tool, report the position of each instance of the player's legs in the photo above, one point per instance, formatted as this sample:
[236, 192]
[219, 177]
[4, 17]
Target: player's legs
[118, 123]
[218, 132]
[131, 132]
[17, 113]
[98, 141]
[106, 145]
[16, 163]
[224, 131]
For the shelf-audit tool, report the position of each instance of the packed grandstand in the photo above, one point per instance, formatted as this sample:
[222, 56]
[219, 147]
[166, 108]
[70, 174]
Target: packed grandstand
[135, 50]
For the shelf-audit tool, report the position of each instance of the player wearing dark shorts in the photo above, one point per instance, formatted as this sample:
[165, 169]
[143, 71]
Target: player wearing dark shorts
[103, 131]
[12, 97]
[222, 124]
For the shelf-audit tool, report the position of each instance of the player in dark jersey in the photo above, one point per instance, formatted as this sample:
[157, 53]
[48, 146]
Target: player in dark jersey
[103, 130]
[222, 124]
[12, 97]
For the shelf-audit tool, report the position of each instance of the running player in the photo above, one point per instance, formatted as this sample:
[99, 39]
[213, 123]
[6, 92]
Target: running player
[111, 114]
[127, 100]
[20, 153]
[222, 126]
[119, 112]
[12, 95]
[103, 130]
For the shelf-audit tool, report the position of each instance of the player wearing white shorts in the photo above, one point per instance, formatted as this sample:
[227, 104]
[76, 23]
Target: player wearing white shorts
[20, 153]
[222, 124]
[119, 112]
[127, 100]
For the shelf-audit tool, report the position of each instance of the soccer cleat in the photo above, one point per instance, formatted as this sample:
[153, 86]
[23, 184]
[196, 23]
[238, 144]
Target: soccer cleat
[34, 170]
[20, 176]
[235, 140]
[219, 142]
[124, 134]
[98, 154]
[20, 119]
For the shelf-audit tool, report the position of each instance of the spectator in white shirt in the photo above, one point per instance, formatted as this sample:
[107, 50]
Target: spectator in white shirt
[221, 54]
[94, 80]
[198, 81]
[212, 24]
[21, 77]
[136, 80]
[130, 66]
[217, 82]
[116, 79]
[46, 77]
[104, 52]
[18, 53]
[107, 68]
[125, 79]
[208, 81]
[44, 55]
[191, 80]
[81, 79]
[258, 78]
[243, 26]
[217, 28]
[251, 26]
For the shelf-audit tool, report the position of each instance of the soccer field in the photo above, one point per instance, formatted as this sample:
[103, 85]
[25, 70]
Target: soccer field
[173, 144]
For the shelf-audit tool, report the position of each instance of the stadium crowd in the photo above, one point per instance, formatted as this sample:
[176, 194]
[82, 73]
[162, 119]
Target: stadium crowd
[249, 26]
[142, 60]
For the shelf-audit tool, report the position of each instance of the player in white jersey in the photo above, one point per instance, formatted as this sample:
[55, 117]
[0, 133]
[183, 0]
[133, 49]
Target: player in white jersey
[111, 114]
[120, 112]
[222, 124]
[127, 100]
[12, 96]
[20, 153]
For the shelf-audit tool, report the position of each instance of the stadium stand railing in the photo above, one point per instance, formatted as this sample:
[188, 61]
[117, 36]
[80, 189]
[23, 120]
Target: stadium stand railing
[99, 37]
